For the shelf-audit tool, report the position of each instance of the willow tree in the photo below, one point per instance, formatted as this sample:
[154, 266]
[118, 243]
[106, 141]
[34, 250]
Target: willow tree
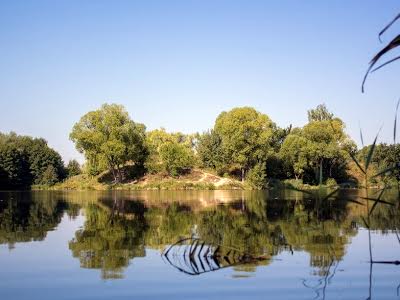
[109, 134]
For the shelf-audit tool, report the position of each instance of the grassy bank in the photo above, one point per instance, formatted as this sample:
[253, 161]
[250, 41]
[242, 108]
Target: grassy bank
[196, 180]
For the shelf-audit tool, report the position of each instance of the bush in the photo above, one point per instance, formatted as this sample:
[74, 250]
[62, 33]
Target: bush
[176, 158]
[331, 182]
[50, 176]
[256, 177]
[73, 168]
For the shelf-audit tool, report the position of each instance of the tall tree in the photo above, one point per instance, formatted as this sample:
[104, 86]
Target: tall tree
[320, 113]
[170, 152]
[245, 134]
[109, 134]
[73, 168]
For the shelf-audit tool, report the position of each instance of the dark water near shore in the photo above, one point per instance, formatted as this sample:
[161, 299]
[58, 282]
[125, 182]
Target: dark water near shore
[265, 245]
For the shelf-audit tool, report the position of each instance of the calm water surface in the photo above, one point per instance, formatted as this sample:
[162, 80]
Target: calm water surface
[261, 245]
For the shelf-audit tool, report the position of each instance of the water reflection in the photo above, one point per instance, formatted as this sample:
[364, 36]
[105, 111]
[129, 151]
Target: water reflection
[120, 226]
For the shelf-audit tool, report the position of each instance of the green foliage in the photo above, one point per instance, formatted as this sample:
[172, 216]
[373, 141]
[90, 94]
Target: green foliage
[108, 242]
[383, 157]
[245, 137]
[109, 135]
[73, 168]
[257, 176]
[50, 176]
[210, 152]
[320, 113]
[24, 161]
[295, 152]
[176, 158]
[169, 152]
[331, 182]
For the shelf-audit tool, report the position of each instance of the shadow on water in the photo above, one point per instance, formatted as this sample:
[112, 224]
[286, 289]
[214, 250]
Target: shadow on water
[198, 233]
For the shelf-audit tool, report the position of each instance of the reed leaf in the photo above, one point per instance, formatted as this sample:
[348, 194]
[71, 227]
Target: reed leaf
[377, 200]
[389, 47]
[395, 121]
[361, 137]
[385, 63]
[355, 201]
[373, 207]
[370, 153]
[357, 163]
[388, 26]
[387, 170]
[365, 222]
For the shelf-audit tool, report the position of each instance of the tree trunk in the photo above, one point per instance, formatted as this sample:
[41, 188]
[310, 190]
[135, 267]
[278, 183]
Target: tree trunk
[320, 172]
[114, 174]
[243, 173]
[119, 174]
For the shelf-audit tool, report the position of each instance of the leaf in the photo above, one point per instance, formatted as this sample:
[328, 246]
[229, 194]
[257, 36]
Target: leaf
[361, 137]
[385, 63]
[373, 207]
[393, 44]
[371, 152]
[387, 170]
[355, 201]
[377, 200]
[395, 121]
[388, 26]
[357, 163]
[365, 222]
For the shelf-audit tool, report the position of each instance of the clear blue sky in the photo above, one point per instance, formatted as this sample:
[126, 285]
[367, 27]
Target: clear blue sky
[178, 64]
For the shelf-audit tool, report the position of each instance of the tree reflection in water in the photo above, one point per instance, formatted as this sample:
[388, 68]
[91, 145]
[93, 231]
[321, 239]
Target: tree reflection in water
[258, 226]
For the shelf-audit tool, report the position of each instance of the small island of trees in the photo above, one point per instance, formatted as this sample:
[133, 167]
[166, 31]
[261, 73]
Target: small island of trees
[244, 146]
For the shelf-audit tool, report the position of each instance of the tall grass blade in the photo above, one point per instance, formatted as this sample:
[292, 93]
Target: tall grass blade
[355, 201]
[395, 121]
[373, 207]
[387, 170]
[385, 63]
[388, 26]
[370, 153]
[392, 44]
[357, 163]
[361, 136]
[377, 200]
[365, 222]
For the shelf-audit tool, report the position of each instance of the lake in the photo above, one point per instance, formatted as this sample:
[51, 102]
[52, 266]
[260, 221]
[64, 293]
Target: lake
[197, 245]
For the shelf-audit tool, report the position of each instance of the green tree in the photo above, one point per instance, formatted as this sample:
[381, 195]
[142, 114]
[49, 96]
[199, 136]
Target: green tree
[108, 134]
[50, 176]
[25, 160]
[257, 176]
[170, 152]
[245, 136]
[176, 158]
[210, 152]
[295, 152]
[320, 113]
[73, 168]
[14, 168]
[327, 146]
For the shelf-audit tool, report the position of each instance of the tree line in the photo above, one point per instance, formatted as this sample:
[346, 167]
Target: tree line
[243, 143]
[27, 161]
